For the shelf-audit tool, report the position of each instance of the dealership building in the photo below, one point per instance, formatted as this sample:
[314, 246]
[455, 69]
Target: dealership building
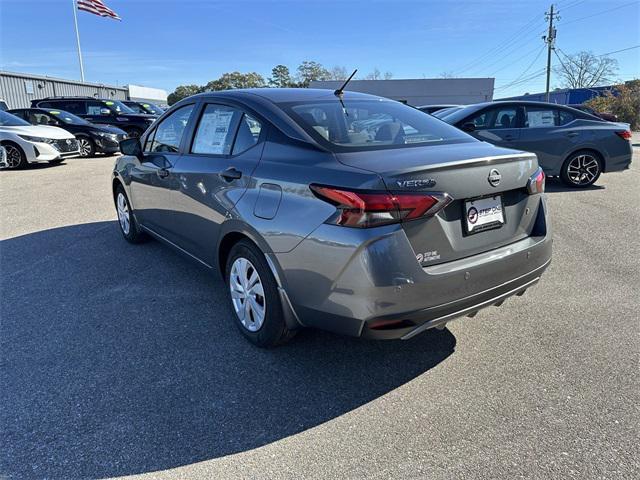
[422, 91]
[18, 89]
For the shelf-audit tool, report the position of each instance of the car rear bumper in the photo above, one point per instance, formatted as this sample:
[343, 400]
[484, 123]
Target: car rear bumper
[339, 280]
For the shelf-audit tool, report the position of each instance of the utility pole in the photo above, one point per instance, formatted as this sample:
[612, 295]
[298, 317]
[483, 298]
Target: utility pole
[550, 39]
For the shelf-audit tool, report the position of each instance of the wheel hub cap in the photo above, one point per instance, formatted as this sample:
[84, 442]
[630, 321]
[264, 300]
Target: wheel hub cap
[13, 156]
[123, 213]
[85, 148]
[247, 294]
[583, 169]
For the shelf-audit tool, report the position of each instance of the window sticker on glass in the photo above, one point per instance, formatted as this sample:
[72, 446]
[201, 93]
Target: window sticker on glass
[540, 118]
[54, 112]
[213, 132]
[109, 103]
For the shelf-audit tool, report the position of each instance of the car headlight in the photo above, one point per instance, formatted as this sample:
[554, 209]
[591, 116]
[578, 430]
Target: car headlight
[112, 136]
[29, 138]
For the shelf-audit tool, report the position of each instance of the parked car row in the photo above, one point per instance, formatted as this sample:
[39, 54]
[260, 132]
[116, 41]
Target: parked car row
[92, 125]
[26, 144]
[577, 145]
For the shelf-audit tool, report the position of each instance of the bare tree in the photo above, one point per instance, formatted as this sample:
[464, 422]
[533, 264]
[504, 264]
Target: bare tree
[338, 73]
[375, 75]
[388, 75]
[446, 75]
[584, 69]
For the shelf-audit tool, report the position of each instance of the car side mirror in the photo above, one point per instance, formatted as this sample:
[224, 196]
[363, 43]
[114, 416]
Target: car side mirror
[105, 111]
[469, 127]
[132, 147]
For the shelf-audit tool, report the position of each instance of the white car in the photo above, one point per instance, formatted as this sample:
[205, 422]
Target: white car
[25, 143]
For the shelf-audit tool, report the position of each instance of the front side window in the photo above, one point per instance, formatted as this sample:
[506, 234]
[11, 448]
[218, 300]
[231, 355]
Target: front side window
[167, 136]
[216, 130]
[39, 118]
[95, 107]
[370, 124]
[496, 118]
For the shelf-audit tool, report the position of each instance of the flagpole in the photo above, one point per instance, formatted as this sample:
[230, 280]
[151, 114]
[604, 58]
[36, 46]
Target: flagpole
[75, 21]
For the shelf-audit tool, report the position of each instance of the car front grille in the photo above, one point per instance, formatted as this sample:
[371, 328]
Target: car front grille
[66, 145]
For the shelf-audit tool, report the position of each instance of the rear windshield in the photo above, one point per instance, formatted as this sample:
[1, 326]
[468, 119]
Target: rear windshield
[370, 124]
[8, 120]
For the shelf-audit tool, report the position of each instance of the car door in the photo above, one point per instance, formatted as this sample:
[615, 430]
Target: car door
[214, 174]
[153, 182]
[499, 125]
[547, 132]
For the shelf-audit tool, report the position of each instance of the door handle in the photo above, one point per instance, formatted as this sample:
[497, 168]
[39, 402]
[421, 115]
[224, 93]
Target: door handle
[509, 137]
[162, 172]
[231, 174]
[572, 134]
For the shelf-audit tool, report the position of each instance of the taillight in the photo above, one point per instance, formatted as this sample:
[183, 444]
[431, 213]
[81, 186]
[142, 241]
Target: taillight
[371, 209]
[624, 134]
[536, 182]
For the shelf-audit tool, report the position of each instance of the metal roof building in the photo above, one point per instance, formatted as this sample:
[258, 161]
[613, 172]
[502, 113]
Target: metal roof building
[18, 89]
[425, 91]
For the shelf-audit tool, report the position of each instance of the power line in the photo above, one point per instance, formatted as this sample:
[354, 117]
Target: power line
[618, 51]
[600, 13]
[529, 25]
[531, 64]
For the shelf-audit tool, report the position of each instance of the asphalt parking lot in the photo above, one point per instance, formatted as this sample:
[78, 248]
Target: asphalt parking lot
[119, 360]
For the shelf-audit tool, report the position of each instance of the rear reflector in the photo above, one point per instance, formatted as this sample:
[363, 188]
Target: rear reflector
[372, 209]
[624, 134]
[536, 182]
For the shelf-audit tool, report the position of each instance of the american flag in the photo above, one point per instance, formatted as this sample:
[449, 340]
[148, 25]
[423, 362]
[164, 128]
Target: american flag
[97, 7]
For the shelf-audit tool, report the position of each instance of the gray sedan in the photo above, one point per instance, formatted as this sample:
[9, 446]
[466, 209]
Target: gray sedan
[346, 212]
[571, 144]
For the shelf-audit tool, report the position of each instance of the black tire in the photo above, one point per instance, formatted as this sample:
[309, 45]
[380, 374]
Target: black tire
[87, 147]
[16, 159]
[581, 169]
[133, 234]
[273, 330]
[134, 133]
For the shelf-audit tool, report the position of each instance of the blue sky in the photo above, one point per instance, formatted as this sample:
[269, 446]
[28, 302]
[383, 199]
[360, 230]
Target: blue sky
[164, 43]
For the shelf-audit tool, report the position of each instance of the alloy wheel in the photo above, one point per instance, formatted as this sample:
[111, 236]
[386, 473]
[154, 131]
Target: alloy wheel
[583, 169]
[84, 146]
[247, 294]
[123, 213]
[14, 156]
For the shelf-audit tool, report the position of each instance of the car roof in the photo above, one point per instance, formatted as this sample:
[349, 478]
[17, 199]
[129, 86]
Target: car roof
[281, 95]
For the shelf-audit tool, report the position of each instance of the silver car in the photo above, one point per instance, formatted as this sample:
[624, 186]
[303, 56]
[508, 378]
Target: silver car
[571, 144]
[350, 213]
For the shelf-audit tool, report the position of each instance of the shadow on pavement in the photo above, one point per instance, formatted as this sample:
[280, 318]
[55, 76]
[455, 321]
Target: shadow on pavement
[120, 359]
[555, 185]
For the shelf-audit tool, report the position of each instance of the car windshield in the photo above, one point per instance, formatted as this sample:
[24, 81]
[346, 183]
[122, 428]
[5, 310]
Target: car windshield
[151, 108]
[118, 106]
[67, 117]
[369, 124]
[8, 120]
[445, 111]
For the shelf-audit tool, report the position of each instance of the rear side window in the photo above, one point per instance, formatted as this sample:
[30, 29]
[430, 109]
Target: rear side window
[167, 136]
[248, 134]
[74, 106]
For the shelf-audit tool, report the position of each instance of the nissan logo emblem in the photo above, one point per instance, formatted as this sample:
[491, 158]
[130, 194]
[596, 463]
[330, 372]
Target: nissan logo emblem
[494, 178]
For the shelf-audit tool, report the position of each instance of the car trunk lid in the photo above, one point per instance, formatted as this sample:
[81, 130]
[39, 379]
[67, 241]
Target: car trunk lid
[474, 174]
